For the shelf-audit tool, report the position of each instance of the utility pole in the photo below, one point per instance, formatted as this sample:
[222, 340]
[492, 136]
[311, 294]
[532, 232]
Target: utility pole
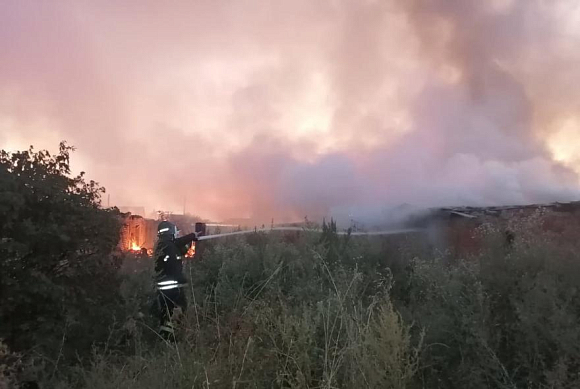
[108, 200]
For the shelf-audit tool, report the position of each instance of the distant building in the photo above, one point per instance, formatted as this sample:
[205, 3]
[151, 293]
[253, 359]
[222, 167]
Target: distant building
[185, 223]
[140, 211]
[137, 233]
[455, 228]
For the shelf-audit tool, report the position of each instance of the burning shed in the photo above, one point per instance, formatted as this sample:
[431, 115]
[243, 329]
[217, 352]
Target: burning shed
[137, 233]
[140, 233]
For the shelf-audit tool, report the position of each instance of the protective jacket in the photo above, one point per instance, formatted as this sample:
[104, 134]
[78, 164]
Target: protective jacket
[168, 261]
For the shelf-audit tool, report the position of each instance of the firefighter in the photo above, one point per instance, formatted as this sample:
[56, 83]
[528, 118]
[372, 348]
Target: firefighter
[170, 281]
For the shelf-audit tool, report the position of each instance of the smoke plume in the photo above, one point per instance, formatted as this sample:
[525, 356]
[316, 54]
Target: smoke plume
[305, 108]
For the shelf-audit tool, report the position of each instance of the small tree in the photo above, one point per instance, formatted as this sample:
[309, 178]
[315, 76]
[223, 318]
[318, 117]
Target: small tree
[56, 268]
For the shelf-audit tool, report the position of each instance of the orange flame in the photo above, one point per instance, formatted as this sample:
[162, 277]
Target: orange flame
[191, 252]
[135, 247]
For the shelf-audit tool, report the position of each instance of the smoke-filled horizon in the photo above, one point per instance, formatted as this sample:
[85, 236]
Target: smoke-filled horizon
[285, 109]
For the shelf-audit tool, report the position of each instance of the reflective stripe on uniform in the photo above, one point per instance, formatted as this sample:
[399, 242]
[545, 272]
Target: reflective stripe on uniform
[167, 282]
[163, 230]
[173, 286]
[166, 329]
[167, 287]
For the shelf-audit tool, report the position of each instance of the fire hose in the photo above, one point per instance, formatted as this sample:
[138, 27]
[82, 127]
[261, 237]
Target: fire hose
[351, 233]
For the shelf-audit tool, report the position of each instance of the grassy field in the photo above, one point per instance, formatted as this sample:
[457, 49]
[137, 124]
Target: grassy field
[310, 311]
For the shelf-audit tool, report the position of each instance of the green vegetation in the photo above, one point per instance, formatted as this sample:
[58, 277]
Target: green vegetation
[58, 276]
[294, 310]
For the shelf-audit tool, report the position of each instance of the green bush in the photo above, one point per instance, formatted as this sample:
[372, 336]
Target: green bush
[507, 318]
[58, 277]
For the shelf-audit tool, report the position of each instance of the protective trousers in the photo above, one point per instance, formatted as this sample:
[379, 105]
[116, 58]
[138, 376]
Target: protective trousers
[168, 300]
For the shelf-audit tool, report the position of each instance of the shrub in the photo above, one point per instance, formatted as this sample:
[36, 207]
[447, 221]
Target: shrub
[57, 275]
[505, 318]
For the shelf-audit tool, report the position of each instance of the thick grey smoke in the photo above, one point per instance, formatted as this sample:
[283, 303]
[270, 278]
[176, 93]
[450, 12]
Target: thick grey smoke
[477, 141]
[287, 109]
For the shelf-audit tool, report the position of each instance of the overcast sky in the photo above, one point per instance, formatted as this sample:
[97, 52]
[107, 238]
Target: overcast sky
[291, 108]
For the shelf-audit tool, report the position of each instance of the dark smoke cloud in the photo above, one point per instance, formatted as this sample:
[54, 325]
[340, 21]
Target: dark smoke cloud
[287, 109]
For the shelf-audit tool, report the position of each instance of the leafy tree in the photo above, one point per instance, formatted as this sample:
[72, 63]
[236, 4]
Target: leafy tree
[57, 274]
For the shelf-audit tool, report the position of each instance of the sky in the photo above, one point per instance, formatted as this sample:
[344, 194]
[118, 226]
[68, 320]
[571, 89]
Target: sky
[285, 109]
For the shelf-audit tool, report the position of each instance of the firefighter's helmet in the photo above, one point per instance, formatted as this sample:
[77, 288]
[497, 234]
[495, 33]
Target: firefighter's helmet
[166, 229]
